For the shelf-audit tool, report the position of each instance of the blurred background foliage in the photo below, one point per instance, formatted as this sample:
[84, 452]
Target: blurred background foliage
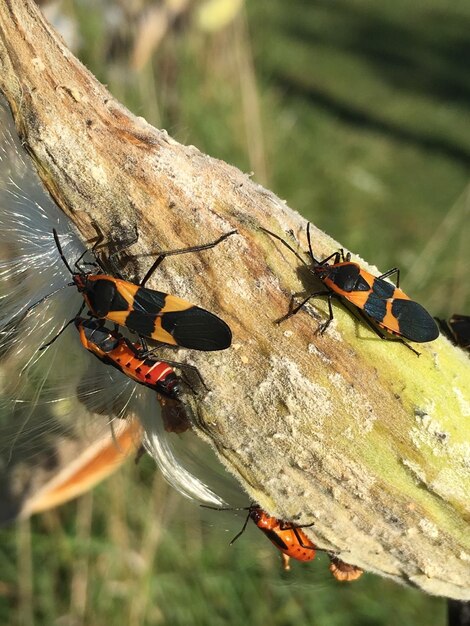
[356, 113]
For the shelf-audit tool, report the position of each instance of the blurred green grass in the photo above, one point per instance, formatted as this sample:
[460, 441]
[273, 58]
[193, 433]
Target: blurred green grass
[133, 553]
[355, 113]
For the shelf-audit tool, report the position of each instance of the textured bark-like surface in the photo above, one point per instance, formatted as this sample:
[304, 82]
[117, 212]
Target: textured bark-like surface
[356, 434]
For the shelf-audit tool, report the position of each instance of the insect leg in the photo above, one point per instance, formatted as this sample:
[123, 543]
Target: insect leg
[163, 255]
[294, 311]
[192, 368]
[120, 247]
[301, 543]
[394, 270]
[381, 334]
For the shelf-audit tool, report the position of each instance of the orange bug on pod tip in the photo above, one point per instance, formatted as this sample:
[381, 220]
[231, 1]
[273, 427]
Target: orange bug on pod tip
[291, 541]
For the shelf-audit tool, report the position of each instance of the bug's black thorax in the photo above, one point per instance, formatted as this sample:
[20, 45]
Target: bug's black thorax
[81, 282]
[102, 295]
[345, 276]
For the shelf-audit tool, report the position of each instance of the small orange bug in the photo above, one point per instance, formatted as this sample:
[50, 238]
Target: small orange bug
[292, 541]
[286, 536]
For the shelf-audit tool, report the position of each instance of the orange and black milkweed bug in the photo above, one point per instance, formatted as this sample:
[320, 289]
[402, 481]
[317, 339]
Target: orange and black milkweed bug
[381, 304]
[151, 314]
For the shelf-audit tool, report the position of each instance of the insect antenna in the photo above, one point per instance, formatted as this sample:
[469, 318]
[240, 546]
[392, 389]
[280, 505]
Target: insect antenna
[49, 343]
[239, 508]
[309, 239]
[287, 245]
[46, 297]
[59, 248]
[238, 535]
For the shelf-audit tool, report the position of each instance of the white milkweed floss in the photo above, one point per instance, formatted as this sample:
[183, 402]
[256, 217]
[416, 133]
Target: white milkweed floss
[61, 410]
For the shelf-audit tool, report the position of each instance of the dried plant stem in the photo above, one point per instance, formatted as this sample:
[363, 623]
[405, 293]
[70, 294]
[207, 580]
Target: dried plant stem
[356, 434]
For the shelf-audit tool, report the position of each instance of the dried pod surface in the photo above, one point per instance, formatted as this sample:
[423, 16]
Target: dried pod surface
[353, 433]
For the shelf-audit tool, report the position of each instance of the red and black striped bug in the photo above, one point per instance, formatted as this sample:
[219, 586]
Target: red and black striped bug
[113, 349]
[151, 314]
[457, 329]
[380, 303]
